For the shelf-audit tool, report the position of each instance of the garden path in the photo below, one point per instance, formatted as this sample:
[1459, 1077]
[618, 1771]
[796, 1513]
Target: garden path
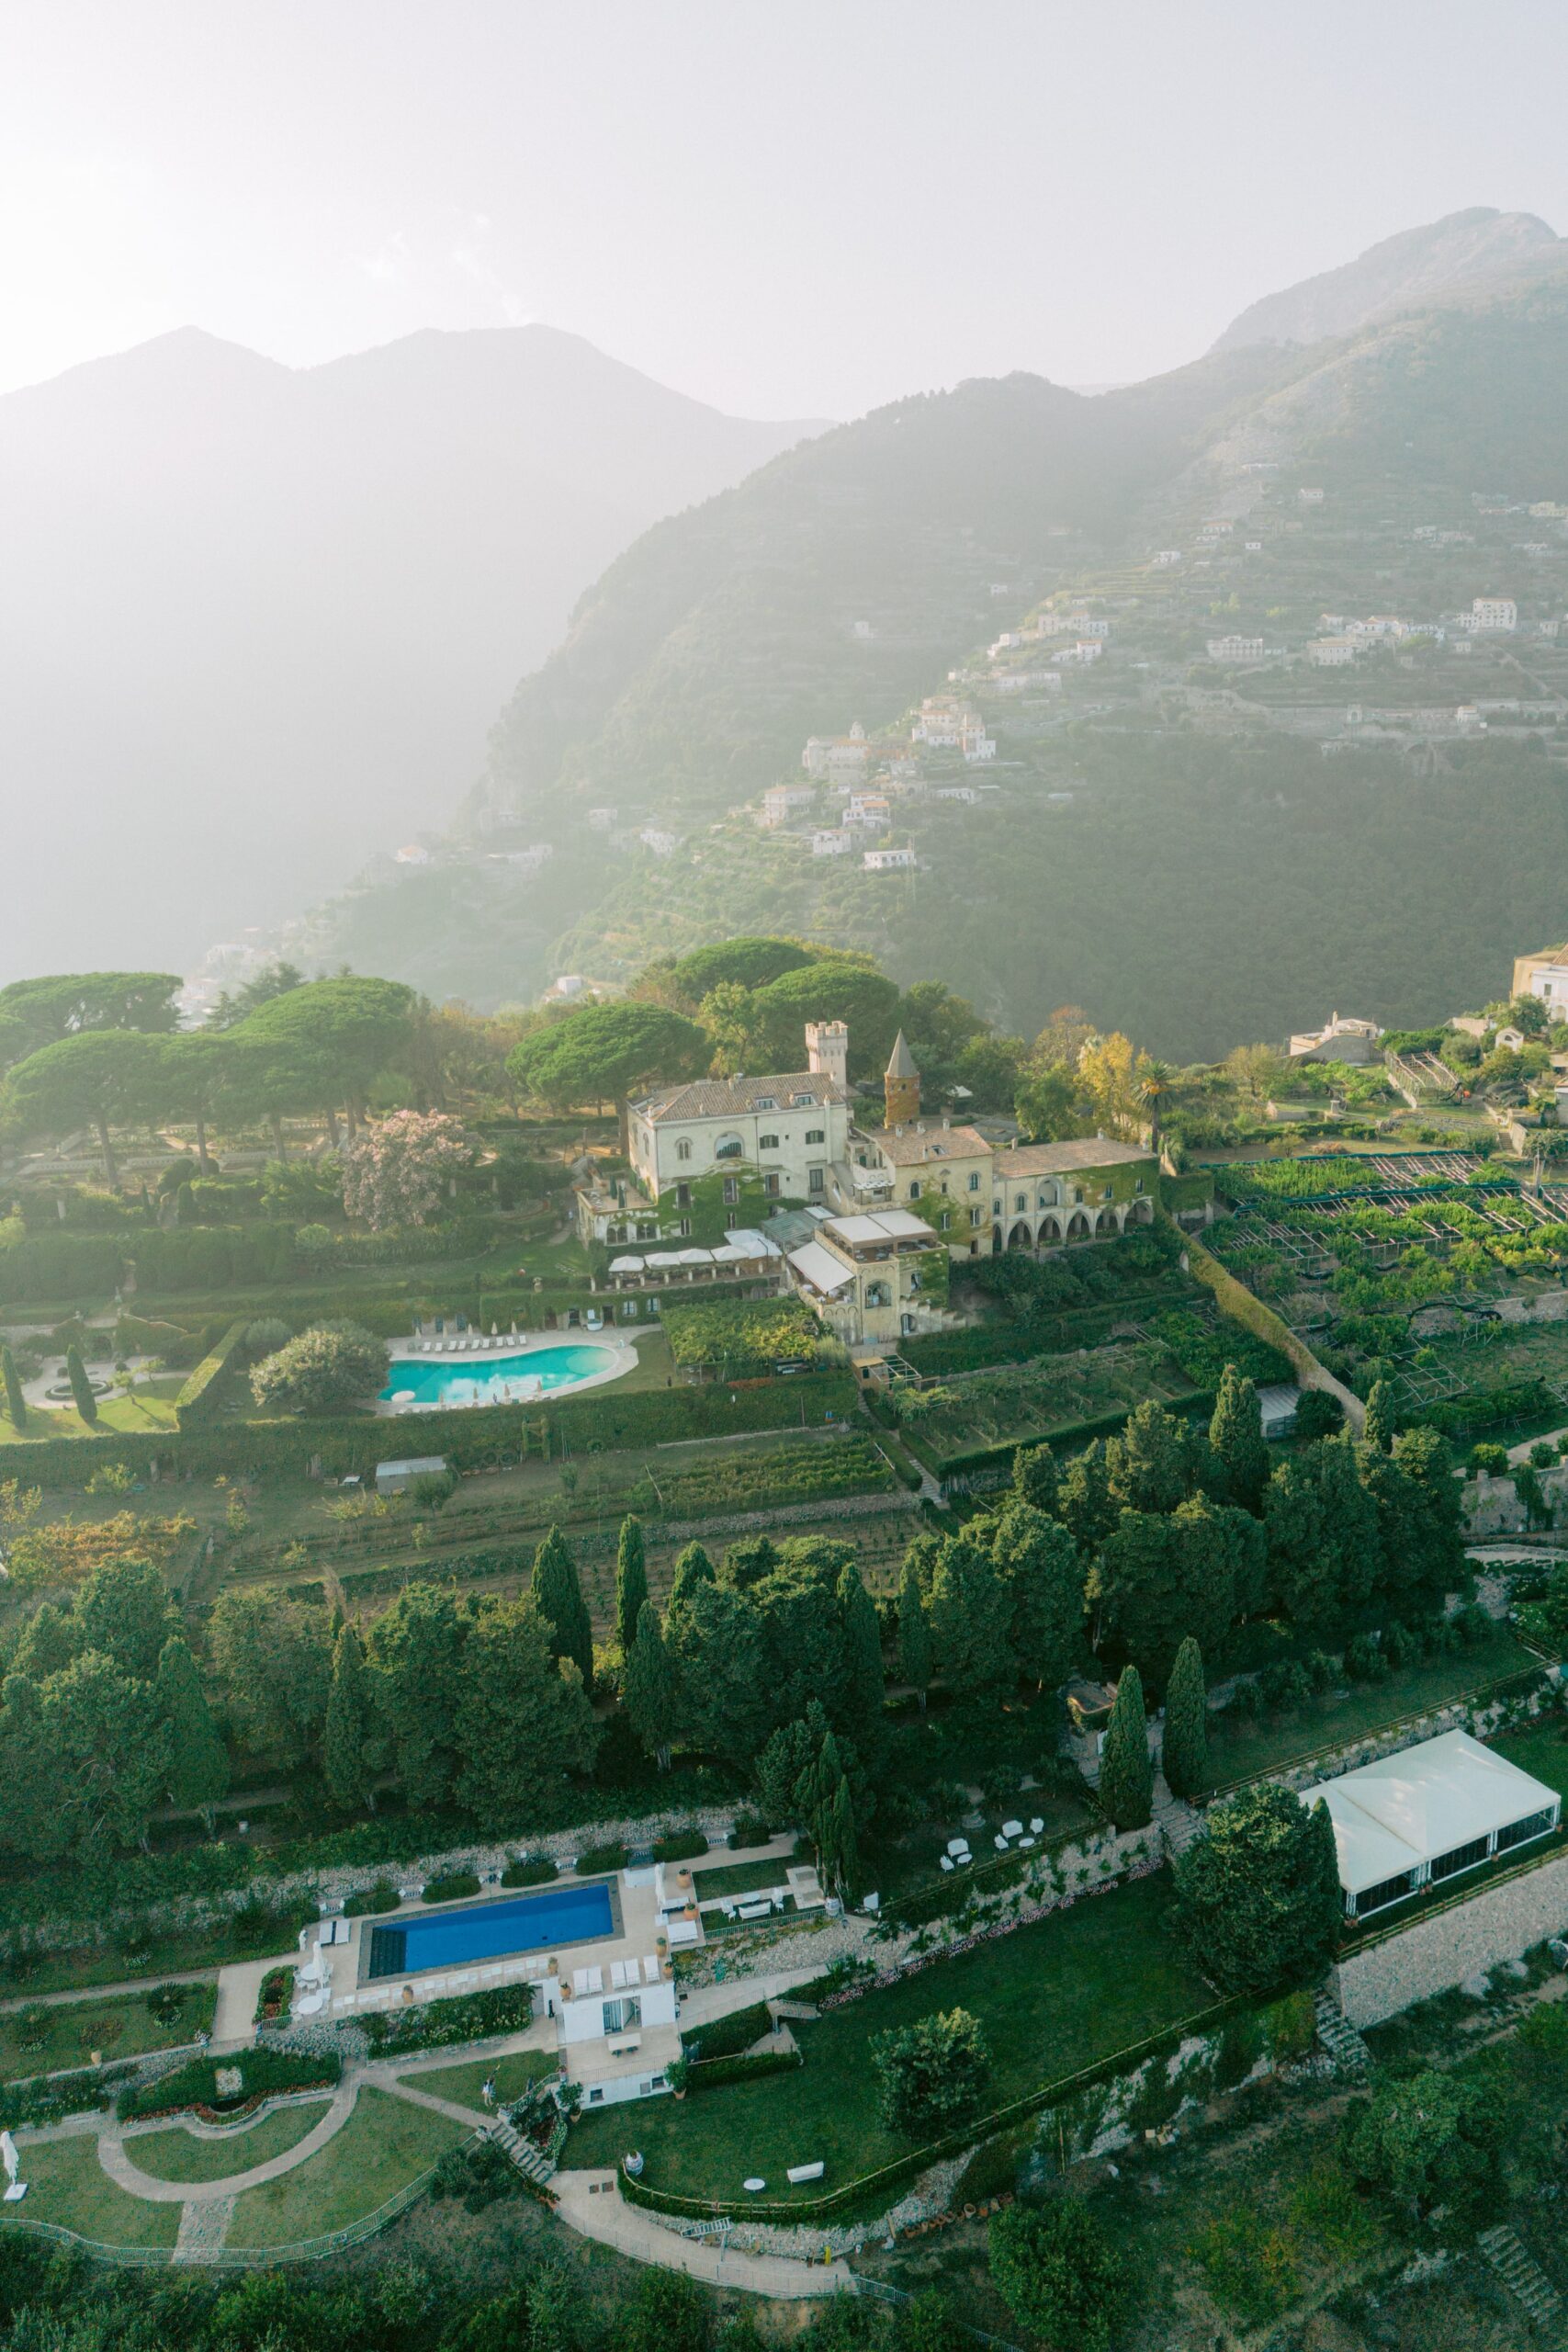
[239, 1988]
[591, 2203]
[130, 2176]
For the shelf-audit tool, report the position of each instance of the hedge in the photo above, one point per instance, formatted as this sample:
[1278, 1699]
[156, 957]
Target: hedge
[728, 2036]
[484, 1437]
[1236, 1300]
[710, 2073]
[451, 1886]
[472, 2017]
[199, 1401]
[261, 2071]
[599, 1861]
[684, 1847]
[535, 1870]
[47, 2098]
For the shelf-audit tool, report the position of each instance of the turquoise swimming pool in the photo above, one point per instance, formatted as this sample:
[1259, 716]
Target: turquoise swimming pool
[492, 1380]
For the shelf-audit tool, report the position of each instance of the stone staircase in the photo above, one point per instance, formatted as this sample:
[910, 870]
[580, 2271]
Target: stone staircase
[1340, 2039]
[1177, 1822]
[532, 2161]
[1528, 2285]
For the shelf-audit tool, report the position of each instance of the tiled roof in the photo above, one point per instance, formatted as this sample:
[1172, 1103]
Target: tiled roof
[901, 1061]
[730, 1098]
[1061, 1159]
[912, 1146]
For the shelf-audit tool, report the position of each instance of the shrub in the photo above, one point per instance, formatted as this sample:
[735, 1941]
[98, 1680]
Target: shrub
[265, 1334]
[1321, 1671]
[371, 1902]
[1259, 1902]
[328, 1365]
[1318, 1414]
[1472, 1624]
[931, 2076]
[601, 1861]
[1244, 1700]
[751, 1829]
[451, 1886]
[1401, 1646]
[1059, 2274]
[1285, 1686]
[744, 2067]
[480, 2172]
[432, 1490]
[1364, 1660]
[684, 1847]
[535, 1869]
[276, 1996]
[1492, 1459]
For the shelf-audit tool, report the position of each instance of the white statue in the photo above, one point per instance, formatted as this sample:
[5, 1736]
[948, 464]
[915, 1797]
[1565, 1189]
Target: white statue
[15, 2189]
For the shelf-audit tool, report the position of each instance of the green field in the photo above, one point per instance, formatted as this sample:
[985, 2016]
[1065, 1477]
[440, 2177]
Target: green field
[1540, 1749]
[1087, 1982]
[58, 2035]
[385, 2144]
[68, 2186]
[512, 2076]
[739, 1878]
[1242, 1753]
[179, 2155]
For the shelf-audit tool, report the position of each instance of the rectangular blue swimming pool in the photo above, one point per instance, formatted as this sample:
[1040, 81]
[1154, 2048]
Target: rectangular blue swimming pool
[567, 1915]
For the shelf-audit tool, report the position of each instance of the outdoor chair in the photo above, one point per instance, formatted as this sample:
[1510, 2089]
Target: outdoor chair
[999, 1842]
[947, 1862]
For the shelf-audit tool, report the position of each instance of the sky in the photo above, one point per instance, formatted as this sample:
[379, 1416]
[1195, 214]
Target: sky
[788, 208]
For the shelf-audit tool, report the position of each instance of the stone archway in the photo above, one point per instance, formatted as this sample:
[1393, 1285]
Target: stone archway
[1142, 1211]
[1050, 1234]
[1079, 1225]
[1021, 1237]
[1107, 1221]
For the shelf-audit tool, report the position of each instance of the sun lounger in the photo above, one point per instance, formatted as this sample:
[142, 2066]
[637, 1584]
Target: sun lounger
[797, 2173]
[618, 1976]
[596, 1980]
[650, 1968]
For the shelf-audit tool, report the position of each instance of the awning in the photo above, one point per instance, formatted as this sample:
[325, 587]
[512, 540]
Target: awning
[820, 1267]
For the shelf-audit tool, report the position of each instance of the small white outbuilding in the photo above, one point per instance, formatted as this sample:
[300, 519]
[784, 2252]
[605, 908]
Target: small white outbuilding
[1426, 1814]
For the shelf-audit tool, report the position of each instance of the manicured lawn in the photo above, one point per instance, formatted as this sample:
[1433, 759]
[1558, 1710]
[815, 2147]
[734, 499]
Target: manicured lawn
[180, 2155]
[67, 2033]
[150, 1407]
[1540, 1749]
[67, 2184]
[1081, 1984]
[384, 2145]
[739, 1878]
[1268, 1740]
[513, 2076]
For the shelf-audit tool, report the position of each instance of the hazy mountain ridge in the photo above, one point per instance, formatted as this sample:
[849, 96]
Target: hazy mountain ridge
[258, 619]
[1414, 270]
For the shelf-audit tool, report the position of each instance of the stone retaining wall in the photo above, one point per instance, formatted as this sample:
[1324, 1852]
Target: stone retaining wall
[1435, 1955]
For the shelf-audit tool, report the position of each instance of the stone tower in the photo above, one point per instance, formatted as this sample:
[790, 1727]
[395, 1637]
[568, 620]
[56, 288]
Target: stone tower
[827, 1050]
[901, 1085]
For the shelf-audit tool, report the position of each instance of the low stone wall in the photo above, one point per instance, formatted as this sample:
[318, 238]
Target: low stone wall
[1434, 1955]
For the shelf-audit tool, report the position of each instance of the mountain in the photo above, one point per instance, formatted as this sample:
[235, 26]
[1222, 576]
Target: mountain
[1410, 271]
[257, 619]
[1154, 839]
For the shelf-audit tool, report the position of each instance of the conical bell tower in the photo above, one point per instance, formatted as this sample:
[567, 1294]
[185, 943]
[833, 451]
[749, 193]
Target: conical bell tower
[901, 1085]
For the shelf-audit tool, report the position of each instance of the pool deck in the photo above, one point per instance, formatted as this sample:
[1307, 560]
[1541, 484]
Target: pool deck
[470, 1354]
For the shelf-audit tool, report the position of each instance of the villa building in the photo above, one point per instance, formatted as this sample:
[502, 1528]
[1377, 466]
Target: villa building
[1049, 1195]
[878, 1275]
[1344, 1039]
[1544, 975]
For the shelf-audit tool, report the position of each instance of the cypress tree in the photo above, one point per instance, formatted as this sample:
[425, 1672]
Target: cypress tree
[843, 1846]
[1126, 1774]
[351, 1725]
[694, 1568]
[914, 1634]
[81, 1386]
[631, 1583]
[555, 1588]
[1035, 1478]
[1235, 1434]
[1186, 1752]
[15, 1404]
[1379, 1427]
[198, 1772]
[864, 1684]
[649, 1686]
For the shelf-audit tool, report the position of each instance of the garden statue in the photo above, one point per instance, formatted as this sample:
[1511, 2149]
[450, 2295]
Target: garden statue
[15, 2190]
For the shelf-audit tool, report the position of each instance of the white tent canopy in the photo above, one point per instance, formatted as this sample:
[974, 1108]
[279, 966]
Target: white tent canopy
[1427, 1813]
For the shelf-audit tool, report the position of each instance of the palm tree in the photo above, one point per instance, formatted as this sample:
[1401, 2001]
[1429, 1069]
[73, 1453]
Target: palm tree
[1156, 1082]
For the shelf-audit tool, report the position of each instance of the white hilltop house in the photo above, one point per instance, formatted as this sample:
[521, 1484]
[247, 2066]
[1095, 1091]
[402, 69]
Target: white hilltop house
[1342, 1039]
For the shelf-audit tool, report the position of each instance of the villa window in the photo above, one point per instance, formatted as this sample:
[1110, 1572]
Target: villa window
[1138, 1186]
[731, 1191]
[596, 2094]
[683, 1148]
[1106, 1193]
[646, 1232]
[728, 1147]
[816, 1181]
[804, 1102]
[768, 1143]
[771, 1185]
[1021, 1200]
[945, 1220]
[819, 1134]
[731, 1219]
[975, 1183]
[621, 2017]
[974, 1216]
[684, 1229]
[765, 1103]
[683, 1197]
[914, 1188]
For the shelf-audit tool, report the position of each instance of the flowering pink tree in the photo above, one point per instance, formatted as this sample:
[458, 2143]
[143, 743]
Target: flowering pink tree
[396, 1172]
